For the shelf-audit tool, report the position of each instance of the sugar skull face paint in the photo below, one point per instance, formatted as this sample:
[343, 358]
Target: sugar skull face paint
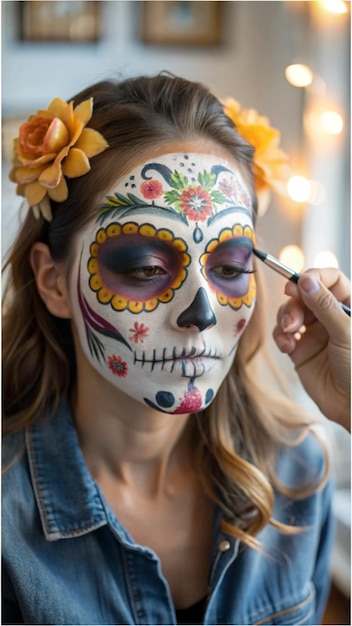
[163, 283]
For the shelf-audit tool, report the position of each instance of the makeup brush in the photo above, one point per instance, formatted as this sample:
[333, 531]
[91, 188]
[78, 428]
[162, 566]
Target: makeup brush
[285, 271]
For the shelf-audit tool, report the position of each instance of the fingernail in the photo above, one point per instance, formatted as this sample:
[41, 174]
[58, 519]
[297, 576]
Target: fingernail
[287, 322]
[309, 284]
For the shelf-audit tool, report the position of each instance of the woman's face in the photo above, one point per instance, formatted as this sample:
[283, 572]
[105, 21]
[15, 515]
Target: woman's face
[162, 287]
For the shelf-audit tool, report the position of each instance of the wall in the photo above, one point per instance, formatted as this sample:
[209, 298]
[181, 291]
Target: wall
[247, 67]
[260, 39]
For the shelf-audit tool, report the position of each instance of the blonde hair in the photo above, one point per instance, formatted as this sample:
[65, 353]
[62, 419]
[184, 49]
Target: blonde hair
[237, 438]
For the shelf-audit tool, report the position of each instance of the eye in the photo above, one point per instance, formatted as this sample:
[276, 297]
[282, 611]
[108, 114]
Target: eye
[229, 272]
[146, 273]
[138, 267]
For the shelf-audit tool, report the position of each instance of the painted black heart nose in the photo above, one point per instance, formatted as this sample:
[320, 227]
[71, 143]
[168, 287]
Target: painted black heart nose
[199, 313]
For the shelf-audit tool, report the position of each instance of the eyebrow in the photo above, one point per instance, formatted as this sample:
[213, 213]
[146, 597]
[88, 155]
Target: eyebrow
[133, 253]
[105, 211]
[235, 242]
[229, 211]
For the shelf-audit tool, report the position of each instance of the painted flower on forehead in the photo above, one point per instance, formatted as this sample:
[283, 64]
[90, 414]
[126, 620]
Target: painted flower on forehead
[52, 145]
[151, 189]
[271, 168]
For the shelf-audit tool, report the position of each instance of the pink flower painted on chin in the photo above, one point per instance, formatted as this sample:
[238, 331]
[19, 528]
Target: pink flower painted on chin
[117, 366]
[191, 402]
[151, 189]
[196, 203]
[139, 332]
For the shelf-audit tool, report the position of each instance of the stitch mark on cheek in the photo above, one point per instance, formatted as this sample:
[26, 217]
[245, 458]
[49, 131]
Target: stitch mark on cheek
[190, 362]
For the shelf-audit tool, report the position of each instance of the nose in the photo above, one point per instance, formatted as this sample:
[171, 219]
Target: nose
[199, 314]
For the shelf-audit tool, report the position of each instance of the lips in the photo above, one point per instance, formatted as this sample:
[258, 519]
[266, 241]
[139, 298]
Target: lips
[191, 361]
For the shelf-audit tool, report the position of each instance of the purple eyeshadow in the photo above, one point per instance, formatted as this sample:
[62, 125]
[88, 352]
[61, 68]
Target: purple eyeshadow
[235, 256]
[122, 259]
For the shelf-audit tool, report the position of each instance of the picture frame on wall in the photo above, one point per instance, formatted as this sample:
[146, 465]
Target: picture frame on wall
[181, 22]
[60, 20]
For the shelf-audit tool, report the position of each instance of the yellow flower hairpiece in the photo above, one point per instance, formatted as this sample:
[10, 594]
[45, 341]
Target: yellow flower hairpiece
[53, 144]
[271, 170]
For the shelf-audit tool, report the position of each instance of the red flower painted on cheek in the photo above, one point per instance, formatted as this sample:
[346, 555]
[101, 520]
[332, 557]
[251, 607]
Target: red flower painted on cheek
[151, 189]
[139, 332]
[117, 366]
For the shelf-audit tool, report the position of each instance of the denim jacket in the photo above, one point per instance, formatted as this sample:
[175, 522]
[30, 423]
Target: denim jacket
[68, 560]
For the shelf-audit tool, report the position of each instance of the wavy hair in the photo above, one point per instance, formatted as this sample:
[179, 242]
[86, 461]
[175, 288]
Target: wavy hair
[237, 437]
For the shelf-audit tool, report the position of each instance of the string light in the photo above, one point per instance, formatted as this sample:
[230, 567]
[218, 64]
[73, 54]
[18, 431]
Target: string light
[335, 6]
[326, 258]
[293, 257]
[299, 75]
[332, 122]
[299, 188]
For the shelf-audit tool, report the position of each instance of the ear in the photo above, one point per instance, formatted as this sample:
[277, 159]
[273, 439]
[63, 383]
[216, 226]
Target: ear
[50, 280]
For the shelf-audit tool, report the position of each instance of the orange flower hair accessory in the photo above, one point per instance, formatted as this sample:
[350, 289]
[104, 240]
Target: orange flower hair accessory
[271, 168]
[53, 144]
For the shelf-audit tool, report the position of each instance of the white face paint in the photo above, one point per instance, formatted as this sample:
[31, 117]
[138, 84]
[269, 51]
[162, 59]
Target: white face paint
[162, 288]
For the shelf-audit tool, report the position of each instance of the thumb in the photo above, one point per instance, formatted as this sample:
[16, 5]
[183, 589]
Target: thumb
[319, 299]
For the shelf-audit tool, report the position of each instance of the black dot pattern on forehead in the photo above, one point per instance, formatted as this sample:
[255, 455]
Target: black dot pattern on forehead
[131, 178]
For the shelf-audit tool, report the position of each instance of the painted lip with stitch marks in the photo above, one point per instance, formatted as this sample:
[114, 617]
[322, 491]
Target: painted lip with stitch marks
[193, 362]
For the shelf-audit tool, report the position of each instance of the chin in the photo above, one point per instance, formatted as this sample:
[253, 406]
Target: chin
[193, 400]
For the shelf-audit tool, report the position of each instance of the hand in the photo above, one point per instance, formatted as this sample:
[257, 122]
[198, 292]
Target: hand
[314, 330]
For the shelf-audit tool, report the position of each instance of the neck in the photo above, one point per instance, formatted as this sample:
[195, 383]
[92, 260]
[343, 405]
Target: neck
[126, 440]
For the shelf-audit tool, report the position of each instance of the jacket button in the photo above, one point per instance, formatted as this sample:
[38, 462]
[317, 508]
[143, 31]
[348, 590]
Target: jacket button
[224, 545]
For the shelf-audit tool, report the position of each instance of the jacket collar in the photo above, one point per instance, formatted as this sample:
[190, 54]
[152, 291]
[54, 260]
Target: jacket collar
[69, 500]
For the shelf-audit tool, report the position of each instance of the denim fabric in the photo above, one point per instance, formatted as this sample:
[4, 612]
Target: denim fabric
[68, 560]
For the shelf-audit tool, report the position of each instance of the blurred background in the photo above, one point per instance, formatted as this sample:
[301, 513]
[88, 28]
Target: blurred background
[288, 60]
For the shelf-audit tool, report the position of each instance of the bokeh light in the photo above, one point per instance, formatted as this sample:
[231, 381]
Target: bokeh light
[299, 75]
[332, 122]
[299, 188]
[335, 6]
[293, 257]
[325, 258]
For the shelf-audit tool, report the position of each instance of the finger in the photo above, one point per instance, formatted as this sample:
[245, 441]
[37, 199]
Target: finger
[321, 301]
[284, 341]
[335, 280]
[331, 277]
[291, 289]
[291, 316]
